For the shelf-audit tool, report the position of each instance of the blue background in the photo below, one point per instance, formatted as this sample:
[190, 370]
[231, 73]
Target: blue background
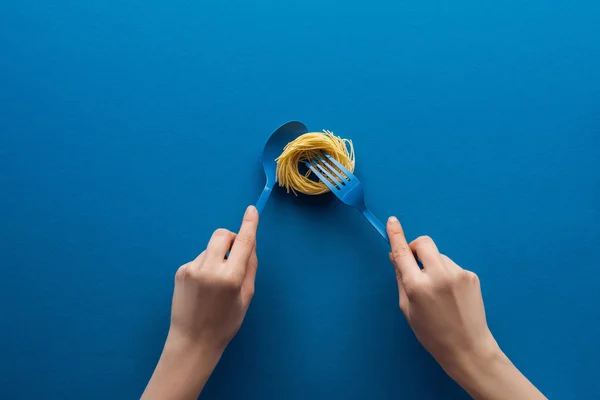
[130, 130]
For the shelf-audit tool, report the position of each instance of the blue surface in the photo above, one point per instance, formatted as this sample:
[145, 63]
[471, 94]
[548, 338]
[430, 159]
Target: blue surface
[130, 130]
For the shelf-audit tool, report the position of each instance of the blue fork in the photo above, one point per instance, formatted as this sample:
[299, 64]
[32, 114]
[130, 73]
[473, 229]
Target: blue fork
[346, 186]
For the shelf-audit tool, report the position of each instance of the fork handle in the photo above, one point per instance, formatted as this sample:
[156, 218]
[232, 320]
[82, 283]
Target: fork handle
[376, 223]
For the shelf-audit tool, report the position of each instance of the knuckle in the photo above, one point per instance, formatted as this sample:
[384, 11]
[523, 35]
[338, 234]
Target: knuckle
[221, 232]
[253, 262]
[189, 273]
[424, 239]
[245, 240]
[471, 276]
[180, 274]
[401, 251]
[249, 217]
[398, 274]
[412, 287]
[423, 242]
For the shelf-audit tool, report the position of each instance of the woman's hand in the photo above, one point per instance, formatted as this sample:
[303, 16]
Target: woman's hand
[211, 297]
[212, 293]
[444, 306]
[442, 302]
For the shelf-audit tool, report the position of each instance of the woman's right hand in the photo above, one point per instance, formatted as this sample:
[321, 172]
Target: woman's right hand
[444, 306]
[442, 302]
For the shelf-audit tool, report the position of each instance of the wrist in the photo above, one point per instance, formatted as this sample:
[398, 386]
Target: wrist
[489, 374]
[191, 358]
[481, 370]
[180, 345]
[183, 369]
[464, 364]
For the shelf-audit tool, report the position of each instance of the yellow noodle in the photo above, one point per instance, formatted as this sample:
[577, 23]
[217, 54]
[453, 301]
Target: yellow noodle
[304, 148]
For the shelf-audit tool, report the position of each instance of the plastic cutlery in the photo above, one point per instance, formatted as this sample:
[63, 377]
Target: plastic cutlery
[346, 186]
[273, 148]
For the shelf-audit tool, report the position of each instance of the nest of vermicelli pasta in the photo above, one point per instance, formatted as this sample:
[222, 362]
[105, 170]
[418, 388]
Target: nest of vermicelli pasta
[309, 147]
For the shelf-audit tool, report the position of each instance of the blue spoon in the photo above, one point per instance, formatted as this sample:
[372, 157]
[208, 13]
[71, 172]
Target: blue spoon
[273, 148]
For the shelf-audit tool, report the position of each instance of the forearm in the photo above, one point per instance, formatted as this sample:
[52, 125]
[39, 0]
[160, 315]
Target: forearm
[492, 376]
[182, 371]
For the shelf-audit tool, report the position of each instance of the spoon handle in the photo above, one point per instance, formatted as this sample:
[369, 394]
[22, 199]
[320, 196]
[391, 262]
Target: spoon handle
[262, 200]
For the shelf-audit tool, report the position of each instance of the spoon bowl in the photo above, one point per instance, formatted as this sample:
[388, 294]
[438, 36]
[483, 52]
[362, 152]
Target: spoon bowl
[273, 149]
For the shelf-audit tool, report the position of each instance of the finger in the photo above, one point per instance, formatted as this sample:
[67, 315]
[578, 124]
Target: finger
[200, 259]
[401, 252]
[197, 262]
[245, 242]
[249, 278]
[426, 250]
[218, 245]
[450, 265]
[401, 290]
[191, 265]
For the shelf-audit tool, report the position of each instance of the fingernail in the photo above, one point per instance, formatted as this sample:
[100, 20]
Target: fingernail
[250, 211]
[393, 220]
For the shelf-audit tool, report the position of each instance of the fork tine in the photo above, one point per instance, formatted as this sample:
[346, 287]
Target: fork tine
[340, 166]
[323, 179]
[332, 168]
[328, 174]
